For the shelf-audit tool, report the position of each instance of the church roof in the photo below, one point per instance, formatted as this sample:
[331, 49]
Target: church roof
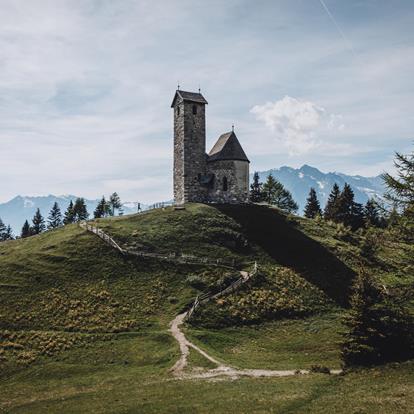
[189, 96]
[227, 147]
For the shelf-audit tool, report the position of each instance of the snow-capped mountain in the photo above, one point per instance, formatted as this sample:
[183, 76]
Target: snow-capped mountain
[21, 208]
[299, 181]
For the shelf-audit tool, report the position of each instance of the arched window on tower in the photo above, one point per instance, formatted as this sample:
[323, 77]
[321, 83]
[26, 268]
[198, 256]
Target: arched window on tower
[178, 110]
[225, 184]
[194, 109]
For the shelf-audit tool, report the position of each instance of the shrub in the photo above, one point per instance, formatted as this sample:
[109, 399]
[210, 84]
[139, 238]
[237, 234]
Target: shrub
[196, 282]
[380, 329]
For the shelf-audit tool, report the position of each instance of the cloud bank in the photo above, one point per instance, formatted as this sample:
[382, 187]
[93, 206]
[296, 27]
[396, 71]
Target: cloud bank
[297, 124]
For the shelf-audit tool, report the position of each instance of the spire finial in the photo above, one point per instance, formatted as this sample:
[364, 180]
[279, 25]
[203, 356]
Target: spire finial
[232, 128]
[178, 85]
[199, 88]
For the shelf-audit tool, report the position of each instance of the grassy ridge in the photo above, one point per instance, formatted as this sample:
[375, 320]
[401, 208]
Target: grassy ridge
[83, 329]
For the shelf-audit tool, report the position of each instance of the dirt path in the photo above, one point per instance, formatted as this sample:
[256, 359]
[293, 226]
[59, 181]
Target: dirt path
[222, 370]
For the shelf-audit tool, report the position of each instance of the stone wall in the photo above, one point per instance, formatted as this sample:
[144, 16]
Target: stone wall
[237, 175]
[189, 152]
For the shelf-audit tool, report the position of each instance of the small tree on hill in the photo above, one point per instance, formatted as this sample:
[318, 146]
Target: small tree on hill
[9, 233]
[2, 229]
[379, 328]
[80, 211]
[6, 232]
[38, 221]
[256, 194]
[400, 192]
[371, 214]
[348, 211]
[331, 208]
[274, 193]
[400, 189]
[26, 230]
[55, 217]
[69, 214]
[313, 208]
[103, 209]
[115, 203]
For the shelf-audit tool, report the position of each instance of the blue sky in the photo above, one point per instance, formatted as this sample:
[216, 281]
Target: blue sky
[86, 87]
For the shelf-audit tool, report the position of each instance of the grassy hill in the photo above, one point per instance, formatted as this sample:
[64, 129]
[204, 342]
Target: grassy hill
[84, 329]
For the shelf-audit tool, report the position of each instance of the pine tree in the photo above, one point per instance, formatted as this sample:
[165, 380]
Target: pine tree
[69, 214]
[9, 233]
[313, 207]
[371, 213]
[115, 203]
[400, 192]
[3, 229]
[379, 327]
[101, 209]
[274, 193]
[256, 194]
[55, 217]
[80, 211]
[331, 208]
[348, 211]
[38, 223]
[26, 230]
[400, 189]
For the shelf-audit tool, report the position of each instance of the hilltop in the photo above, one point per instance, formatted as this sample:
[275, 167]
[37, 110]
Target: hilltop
[85, 329]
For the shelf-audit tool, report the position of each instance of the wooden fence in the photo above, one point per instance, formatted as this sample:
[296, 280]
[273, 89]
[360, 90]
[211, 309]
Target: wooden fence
[206, 297]
[170, 257]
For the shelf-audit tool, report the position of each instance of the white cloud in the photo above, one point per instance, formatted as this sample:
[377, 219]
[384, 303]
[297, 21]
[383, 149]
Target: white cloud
[297, 124]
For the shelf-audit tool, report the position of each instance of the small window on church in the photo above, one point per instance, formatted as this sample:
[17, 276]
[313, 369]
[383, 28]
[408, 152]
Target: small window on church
[194, 109]
[178, 110]
[225, 184]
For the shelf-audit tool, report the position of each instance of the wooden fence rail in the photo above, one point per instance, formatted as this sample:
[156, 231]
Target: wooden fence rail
[184, 259]
[206, 297]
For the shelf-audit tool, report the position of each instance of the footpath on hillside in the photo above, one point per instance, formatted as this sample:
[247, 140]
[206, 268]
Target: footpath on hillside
[179, 370]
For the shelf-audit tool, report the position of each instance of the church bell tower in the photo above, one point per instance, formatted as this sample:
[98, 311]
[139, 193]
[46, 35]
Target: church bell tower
[189, 146]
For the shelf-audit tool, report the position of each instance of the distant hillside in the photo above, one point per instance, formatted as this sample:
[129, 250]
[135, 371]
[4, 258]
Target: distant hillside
[20, 208]
[299, 181]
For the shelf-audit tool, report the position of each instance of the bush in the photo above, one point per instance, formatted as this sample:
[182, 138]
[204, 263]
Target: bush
[196, 282]
[380, 329]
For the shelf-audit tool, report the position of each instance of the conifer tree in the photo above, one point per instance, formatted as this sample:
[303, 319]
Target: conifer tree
[400, 189]
[274, 193]
[379, 327]
[371, 213]
[331, 208]
[6, 232]
[256, 194]
[114, 202]
[69, 214]
[9, 233]
[55, 217]
[3, 229]
[80, 211]
[38, 223]
[26, 230]
[101, 209]
[313, 207]
[350, 213]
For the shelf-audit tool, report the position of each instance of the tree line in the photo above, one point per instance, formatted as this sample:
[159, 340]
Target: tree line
[341, 206]
[75, 212]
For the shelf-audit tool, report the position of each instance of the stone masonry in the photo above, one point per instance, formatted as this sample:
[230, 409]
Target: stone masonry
[222, 176]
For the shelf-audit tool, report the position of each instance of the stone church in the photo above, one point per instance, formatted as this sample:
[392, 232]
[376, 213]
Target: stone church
[222, 175]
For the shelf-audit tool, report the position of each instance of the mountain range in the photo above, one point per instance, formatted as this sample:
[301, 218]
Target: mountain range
[21, 208]
[297, 181]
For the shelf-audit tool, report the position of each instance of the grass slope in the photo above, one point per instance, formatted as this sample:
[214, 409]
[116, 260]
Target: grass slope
[83, 329]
